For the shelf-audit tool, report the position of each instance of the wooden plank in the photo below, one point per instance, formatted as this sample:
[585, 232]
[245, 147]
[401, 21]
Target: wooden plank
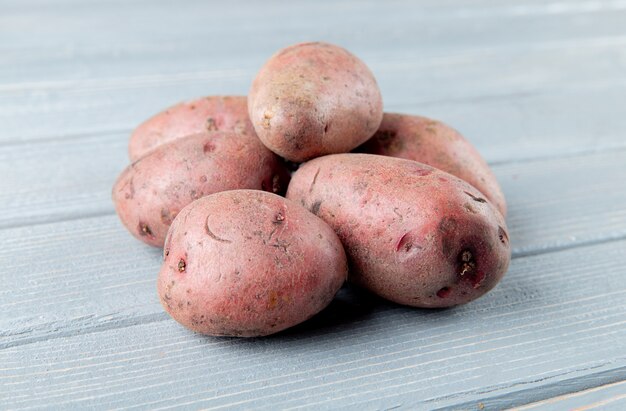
[136, 21]
[36, 191]
[578, 205]
[59, 179]
[538, 87]
[528, 83]
[606, 397]
[80, 276]
[521, 127]
[562, 202]
[94, 84]
[418, 40]
[553, 318]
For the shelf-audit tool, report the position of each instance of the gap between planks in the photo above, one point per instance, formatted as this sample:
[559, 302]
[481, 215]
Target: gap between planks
[158, 317]
[494, 164]
[530, 398]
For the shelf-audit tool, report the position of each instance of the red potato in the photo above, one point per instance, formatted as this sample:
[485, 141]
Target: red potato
[313, 99]
[214, 113]
[247, 263]
[438, 145]
[150, 192]
[413, 234]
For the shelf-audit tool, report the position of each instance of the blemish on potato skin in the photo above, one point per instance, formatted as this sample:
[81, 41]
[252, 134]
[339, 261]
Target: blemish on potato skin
[211, 234]
[406, 243]
[386, 137]
[166, 300]
[131, 190]
[167, 216]
[272, 300]
[276, 187]
[314, 179]
[315, 208]
[477, 279]
[444, 292]
[182, 265]
[208, 147]
[277, 221]
[468, 207]
[144, 230]
[502, 235]
[359, 187]
[267, 117]
[477, 199]
[282, 244]
[447, 226]
[295, 139]
[422, 172]
[431, 126]
[400, 216]
[210, 124]
[467, 261]
[197, 320]
[468, 269]
[273, 184]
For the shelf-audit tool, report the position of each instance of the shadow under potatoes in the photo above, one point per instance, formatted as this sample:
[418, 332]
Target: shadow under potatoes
[352, 312]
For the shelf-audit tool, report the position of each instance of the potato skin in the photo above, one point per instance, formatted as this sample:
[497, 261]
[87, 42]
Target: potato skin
[433, 143]
[213, 113]
[247, 263]
[413, 234]
[150, 192]
[312, 99]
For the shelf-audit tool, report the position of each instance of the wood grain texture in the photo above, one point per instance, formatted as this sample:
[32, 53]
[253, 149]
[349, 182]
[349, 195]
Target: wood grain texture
[77, 181]
[74, 261]
[538, 86]
[68, 278]
[550, 311]
[606, 397]
[534, 73]
[571, 120]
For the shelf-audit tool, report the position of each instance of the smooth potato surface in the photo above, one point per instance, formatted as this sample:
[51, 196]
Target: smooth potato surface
[213, 113]
[313, 99]
[433, 143]
[150, 192]
[413, 234]
[248, 263]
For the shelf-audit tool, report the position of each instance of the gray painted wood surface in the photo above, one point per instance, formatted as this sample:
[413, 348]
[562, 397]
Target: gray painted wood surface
[606, 397]
[538, 86]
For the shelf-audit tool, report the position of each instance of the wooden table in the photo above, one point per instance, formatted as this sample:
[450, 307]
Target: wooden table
[539, 86]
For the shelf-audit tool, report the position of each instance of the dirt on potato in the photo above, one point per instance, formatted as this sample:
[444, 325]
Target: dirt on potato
[248, 263]
[413, 234]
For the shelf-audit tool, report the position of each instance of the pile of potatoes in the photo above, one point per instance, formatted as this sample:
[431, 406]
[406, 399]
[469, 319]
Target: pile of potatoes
[401, 205]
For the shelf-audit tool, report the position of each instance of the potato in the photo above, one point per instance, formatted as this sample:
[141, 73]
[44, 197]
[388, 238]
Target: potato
[413, 234]
[438, 145]
[312, 99]
[214, 113]
[247, 263]
[151, 191]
